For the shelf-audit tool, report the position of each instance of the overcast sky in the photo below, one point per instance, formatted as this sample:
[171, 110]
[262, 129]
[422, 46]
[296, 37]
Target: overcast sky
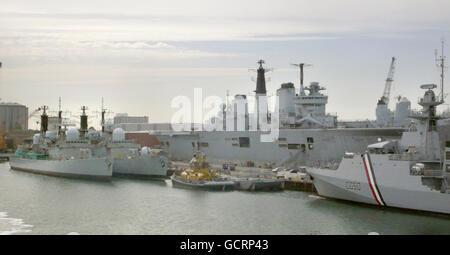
[138, 55]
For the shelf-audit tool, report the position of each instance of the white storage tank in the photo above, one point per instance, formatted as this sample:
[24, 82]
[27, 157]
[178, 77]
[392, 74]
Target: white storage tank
[402, 111]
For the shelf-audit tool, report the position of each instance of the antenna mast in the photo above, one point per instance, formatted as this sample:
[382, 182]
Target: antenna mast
[301, 66]
[440, 63]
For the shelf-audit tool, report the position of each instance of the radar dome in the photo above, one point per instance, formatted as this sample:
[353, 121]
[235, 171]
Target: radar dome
[118, 135]
[146, 151]
[72, 135]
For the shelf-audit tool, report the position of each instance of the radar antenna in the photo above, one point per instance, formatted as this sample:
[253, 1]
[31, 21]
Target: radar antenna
[301, 66]
[440, 63]
[261, 79]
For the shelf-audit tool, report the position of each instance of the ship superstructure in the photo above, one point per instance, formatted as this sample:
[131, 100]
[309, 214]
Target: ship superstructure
[66, 153]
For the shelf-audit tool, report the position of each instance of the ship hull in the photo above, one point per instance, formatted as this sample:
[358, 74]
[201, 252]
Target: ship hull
[293, 147]
[210, 185]
[381, 182]
[92, 169]
[143, 167]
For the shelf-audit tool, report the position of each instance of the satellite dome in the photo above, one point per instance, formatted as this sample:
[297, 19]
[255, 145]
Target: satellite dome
[72, 135]
[118, 135]
[146, 151]
[36, 138]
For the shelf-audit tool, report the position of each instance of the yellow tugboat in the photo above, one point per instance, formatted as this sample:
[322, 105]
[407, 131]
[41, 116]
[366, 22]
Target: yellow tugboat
[200, 176]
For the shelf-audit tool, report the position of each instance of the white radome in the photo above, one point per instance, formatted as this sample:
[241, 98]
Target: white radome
[146, 151]
[72, 135]
[118, 135]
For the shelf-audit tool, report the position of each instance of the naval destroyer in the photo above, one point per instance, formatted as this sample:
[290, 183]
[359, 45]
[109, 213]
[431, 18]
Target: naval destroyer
[411, 173]
[129, 159]
[64, 154]
[307, 133]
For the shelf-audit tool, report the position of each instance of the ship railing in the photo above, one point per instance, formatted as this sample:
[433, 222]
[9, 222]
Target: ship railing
[417, 114]
[406, 157]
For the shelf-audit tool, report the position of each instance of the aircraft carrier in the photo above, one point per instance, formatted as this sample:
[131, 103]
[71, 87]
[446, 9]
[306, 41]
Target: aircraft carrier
[307, 133]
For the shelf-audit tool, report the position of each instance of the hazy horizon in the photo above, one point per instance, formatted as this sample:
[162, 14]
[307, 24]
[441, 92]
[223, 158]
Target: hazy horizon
[138, 55]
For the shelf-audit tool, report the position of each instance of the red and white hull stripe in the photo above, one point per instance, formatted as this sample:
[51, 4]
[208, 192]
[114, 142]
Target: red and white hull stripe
[372, 180]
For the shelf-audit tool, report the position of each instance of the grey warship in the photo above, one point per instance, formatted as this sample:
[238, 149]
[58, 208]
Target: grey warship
[307, 133]
[62, 153]
[411, 173]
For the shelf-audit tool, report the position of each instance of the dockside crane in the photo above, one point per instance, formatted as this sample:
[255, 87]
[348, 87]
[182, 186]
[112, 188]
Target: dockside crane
[387, 87]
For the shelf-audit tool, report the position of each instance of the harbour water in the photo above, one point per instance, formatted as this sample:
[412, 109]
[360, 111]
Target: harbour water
[37, 204]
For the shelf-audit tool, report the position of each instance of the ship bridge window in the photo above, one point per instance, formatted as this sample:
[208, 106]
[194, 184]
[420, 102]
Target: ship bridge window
[293, 146]
[244, 142]
[310, 140]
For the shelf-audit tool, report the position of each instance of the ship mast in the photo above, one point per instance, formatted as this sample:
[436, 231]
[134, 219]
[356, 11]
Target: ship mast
[301, 66]
[44, 119]
[440, 63]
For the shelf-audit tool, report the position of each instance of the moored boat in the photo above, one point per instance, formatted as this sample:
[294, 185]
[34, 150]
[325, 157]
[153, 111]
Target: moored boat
[412, 173]
[200, 176]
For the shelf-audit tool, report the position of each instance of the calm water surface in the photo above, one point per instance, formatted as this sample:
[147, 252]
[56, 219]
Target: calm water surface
[37, 204]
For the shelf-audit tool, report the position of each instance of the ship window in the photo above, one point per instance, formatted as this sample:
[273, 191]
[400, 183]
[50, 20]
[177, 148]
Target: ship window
[310, 140]
[447, 155]
[244, 142]
[282, 139]
[447, 144]
[193, 144]
[167, 143]
[235, 144]
[303, 147]
[310, 146]
[203, 144]
[284, 146]
[293, 146]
